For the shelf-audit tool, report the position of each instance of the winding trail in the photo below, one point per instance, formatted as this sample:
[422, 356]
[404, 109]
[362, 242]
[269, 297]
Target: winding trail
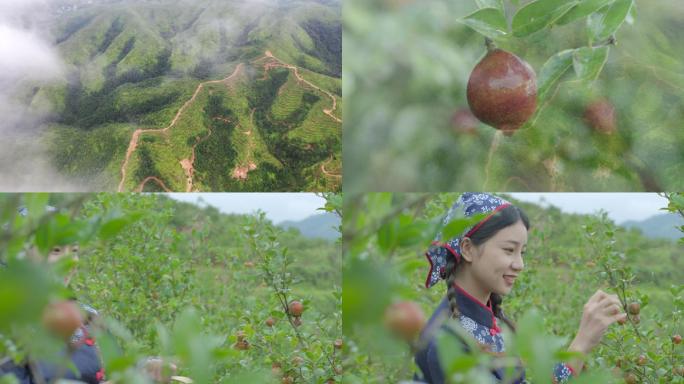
[328, 173]
[136, 135]
[295, 69]
[155, 179]
[239, 173]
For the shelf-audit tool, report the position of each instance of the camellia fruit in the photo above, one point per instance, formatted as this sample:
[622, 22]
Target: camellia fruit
[338, 344]
[296, 308]
[641, 360]
[630, 378]
[600, 115]
[502, 91]
[677, 339]
[270, 321]
[634, 308]
[62, 318]
[405, 319]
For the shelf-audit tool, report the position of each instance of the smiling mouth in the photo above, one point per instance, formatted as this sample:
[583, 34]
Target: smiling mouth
[509, 279]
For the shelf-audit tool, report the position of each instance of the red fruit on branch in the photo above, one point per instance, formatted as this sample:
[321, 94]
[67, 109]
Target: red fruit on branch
[630, 378]
[502, 91]
[677, 339]
[296, 308]
[641, 360]
[634, 308]
[241, 345]
[405, 319]
[270, 321]
[62, 318]
[600, 116]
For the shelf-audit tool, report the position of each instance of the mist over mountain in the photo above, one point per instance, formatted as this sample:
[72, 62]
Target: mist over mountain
[86, 75]
[663, 226]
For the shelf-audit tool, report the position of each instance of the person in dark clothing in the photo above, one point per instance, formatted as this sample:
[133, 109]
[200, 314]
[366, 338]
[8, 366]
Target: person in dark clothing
[479, 267]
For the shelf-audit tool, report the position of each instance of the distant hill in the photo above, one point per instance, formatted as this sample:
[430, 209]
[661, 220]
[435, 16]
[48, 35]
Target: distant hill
[659, 226]
[320, 226]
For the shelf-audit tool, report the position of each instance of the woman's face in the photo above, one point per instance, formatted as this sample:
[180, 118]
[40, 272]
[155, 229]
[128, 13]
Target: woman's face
[498, 261]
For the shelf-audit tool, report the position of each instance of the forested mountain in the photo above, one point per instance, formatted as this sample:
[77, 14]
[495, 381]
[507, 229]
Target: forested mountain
[195, 95]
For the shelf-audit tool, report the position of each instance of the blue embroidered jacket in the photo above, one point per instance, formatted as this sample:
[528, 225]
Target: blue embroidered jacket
[479, 321]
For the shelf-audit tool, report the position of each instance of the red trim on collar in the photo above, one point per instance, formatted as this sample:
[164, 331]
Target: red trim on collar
[427, 256]
[495, 328]
[487, 307]
[476, 227]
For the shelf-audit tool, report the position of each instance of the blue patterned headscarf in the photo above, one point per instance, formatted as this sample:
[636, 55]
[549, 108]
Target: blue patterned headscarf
[467, 205]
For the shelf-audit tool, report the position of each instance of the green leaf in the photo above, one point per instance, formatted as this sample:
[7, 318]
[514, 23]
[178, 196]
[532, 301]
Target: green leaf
[487, 21]
[387, 235]
[489, 4]
[552, 71]
[606, 22]
[538, 15]
[588, 62]
[583, 9]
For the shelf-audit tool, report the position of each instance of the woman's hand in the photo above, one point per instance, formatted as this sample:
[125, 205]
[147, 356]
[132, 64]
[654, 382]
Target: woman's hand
[599, 312]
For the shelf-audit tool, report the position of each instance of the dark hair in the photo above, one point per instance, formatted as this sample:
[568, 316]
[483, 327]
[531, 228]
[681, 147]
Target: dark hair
[500, 220]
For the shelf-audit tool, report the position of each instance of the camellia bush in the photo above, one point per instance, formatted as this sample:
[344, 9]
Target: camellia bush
[542, 95]
[568, 258]
[227, 298]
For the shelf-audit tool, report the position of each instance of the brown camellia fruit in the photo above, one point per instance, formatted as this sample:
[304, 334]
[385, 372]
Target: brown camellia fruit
[62, 318]
[270, 321]
[641, 360]
[600, 115]
[405, 319]
[634, 308]
[502, 91]
[338, 344]
[297, 361]
[296, 308]
[630, 378]
[677, 339]
[622, 321]
[241, 345]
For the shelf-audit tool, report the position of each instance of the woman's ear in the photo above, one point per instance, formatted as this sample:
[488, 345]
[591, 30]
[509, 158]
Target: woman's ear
[467, 249]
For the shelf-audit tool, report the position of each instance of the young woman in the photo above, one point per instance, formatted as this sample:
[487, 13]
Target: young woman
[479, 267]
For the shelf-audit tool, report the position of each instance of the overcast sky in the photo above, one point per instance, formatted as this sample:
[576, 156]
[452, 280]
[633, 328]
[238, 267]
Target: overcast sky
[278, 206]
[620, 206]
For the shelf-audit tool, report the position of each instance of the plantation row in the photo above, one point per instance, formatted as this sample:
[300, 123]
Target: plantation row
[224, 298]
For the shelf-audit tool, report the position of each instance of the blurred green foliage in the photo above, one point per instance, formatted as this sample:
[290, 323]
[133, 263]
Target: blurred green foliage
[569, 257]
[406, 69]
[174, 280]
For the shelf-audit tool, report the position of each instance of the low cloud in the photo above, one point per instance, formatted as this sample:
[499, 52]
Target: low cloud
[27, 60]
